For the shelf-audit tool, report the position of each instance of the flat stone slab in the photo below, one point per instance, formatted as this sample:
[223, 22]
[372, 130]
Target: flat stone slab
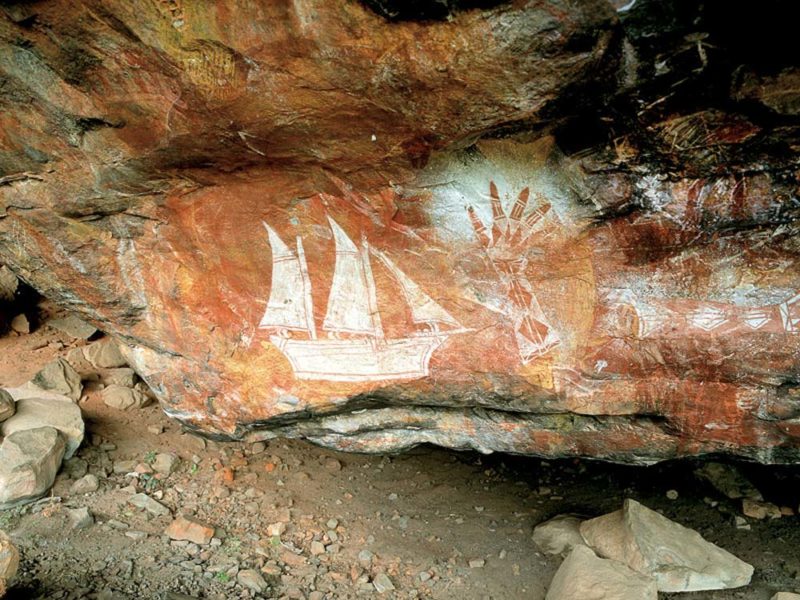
[29, 461]
[677, 557]
[74, 327]
[58, 412]
[585, 576]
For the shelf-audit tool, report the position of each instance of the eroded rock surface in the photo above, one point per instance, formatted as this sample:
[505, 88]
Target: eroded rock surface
[546, 227]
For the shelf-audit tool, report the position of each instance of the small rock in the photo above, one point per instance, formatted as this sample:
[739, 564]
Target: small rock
[382, 583]
[46, 412]
[672, 494]
[678, 558]
[123, 467]
[124, 398]
[165, 463]
[9, 561]
[365, 556]
[145, 502]
[333, 465]
[104, 354]
[59, 377]
[20, 324]
[276, 529]
[760, 510]
[252, 580]
[741, 523]
[124, 376]
[190, 529]
[74, 327]
[786, 596]
[75, 467]
[477, 563]
[317, 548]
[155, 429]
[85, 485]
[583, 575]
[258, 448]
[7, 405]
[136, 535]
[29, 461]
[559, 535]
[81, 518]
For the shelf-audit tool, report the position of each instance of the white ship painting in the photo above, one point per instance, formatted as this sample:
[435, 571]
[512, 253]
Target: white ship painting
[355, 347]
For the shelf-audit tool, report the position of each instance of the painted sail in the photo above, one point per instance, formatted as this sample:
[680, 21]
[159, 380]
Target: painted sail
[286, 307]
[423, 308]
[348, 302]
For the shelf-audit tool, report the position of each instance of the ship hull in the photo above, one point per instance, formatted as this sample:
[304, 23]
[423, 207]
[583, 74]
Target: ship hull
[359, 359]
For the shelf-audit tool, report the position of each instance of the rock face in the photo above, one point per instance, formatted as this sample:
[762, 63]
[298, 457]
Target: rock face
[584, 575]
[545, 227]
[678, 558]
[29, 461]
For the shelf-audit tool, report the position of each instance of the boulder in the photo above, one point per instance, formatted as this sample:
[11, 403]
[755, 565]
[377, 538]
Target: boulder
[678, 558]
[73, 326]
[786, 596]
[534, 227]
[9, 561]
[104, 354]
[61, 414]
[59, 377]
[124, 398]
[559, 535]
[29, 461]
[584, 576]
[20, 324]
[7, 405]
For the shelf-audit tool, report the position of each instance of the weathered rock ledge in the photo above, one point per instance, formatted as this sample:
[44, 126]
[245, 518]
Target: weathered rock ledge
[546, 228]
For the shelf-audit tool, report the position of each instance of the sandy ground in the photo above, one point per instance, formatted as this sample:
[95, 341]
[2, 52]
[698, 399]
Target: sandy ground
[419, 517]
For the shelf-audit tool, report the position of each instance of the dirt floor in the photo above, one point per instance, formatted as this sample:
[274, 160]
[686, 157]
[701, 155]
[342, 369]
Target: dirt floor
[419, 517]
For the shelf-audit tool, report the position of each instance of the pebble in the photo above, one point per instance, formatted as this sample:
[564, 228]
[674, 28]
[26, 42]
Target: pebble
[317, 548]
[190, 529]
[382, 583]
[165, 463]
[145, 502]
[80, 518]
[252, 580]
[760, 510]
[477, 563]
[672, 494]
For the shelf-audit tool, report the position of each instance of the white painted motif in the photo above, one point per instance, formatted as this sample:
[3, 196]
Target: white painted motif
[707, 318]
[506, 244]
[790, 314]
[352, 311]
[756, 318]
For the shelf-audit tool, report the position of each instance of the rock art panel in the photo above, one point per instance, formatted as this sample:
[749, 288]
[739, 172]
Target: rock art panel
[522, 228]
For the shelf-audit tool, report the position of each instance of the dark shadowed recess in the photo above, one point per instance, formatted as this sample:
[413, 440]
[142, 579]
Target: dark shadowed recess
[426, 10]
